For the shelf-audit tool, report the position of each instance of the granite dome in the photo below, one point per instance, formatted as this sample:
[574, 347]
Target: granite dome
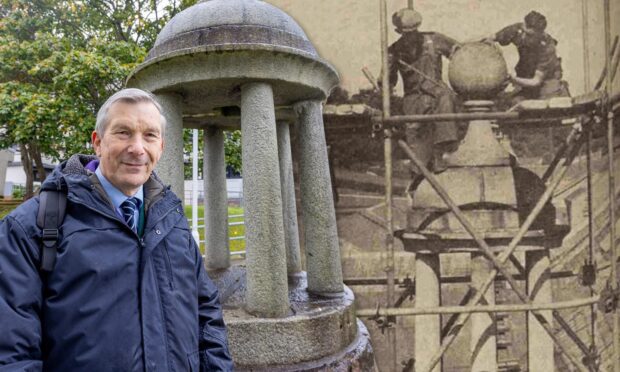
[241, 24]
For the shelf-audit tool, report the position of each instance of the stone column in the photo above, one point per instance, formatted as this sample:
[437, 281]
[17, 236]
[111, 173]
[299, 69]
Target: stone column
[267, 284]
[289, 210]
[427, 338]
[319, 216]
[539, 344]
[5, 157]
[482, 345]
[170, 166]
[215, 200]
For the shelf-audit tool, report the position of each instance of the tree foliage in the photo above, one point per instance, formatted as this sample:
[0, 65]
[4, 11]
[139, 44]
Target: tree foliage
[56, 71]
[232, 152]
[60, 60]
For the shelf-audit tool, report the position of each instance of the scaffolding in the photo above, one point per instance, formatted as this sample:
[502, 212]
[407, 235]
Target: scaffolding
[589, 109]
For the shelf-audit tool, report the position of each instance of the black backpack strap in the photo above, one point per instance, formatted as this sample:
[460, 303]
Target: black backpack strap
[52, 207]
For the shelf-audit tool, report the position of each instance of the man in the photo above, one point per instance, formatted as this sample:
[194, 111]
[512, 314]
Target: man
[417, 56]
[128, 291]
[539, 70]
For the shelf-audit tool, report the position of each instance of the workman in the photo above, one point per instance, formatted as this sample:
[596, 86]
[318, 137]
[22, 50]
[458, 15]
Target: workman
[417, 56]
[538, 74]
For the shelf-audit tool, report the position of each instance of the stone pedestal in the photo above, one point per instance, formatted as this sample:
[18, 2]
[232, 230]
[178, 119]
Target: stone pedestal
[319, 335]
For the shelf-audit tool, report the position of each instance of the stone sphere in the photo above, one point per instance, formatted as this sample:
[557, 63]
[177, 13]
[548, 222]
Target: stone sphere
[478, 71]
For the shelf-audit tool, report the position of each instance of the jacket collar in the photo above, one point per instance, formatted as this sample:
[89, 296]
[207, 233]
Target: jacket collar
[72, 176]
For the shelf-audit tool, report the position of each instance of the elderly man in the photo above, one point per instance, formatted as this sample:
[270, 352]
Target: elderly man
[539, 70]
[417, 56]
[128, 290]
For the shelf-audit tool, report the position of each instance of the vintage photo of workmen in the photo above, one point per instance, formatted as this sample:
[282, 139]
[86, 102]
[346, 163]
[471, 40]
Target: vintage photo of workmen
[375, 186]
[522, 61]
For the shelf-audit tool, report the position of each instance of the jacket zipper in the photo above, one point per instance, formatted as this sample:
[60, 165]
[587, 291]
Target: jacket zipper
[168, 262]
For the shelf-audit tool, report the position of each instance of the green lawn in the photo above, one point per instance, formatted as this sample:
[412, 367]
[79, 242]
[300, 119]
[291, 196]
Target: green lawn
[5, 209]
[238, 230]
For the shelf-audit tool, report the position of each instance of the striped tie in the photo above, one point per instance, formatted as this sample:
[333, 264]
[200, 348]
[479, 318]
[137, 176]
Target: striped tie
[129, 208]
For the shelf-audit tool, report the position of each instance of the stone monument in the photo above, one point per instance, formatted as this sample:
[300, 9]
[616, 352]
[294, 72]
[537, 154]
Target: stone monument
[495, 195]
[229, 64]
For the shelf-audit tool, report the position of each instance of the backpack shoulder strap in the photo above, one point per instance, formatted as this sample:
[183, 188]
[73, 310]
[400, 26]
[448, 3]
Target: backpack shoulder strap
[51, 213]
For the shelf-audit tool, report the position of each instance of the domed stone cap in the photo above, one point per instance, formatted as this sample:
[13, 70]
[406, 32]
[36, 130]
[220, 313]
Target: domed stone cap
[232, 25]
[478, 71]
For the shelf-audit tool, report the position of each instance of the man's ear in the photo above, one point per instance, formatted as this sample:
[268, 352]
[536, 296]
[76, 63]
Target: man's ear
[96, 141]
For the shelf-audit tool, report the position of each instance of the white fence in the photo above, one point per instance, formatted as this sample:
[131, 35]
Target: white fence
[234, 187]
[201, 226]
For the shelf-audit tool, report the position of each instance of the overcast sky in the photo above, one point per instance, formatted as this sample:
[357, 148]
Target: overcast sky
[346, 32]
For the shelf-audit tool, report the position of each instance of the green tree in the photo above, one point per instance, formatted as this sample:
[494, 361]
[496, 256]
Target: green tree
[232, 151]
[60, 60]
[51, 84]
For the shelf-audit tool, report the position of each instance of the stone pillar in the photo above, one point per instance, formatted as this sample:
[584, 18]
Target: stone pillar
[5, 157]
[482, 345]
[427, 336]
[539, 344]
[216, 200]
[289, 209]
[319, 215]
[170, 166]
[267, 284]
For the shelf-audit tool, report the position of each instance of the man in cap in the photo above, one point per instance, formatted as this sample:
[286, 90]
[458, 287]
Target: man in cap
[417, 56]
[538, 74]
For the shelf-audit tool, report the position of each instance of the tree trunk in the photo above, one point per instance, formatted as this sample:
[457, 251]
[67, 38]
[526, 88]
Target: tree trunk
[27, 165]
[35, 155]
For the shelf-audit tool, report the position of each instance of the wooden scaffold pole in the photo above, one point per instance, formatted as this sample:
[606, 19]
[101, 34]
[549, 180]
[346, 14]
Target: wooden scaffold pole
[612, 189]
[389, 269]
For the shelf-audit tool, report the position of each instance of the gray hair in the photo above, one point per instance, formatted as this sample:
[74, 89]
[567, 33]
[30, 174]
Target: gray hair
[129, 95]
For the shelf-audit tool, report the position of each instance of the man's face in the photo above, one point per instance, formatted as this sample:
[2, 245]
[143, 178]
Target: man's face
[528, 30]
[130, 146]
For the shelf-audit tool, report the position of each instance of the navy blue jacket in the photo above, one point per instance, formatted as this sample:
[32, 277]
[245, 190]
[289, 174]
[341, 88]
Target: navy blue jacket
[114, 301]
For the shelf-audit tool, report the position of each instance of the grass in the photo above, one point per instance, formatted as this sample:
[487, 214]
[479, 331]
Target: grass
[6, 209]
[238, 230]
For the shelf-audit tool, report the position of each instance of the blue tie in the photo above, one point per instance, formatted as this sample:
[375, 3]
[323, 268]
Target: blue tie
[129, 208]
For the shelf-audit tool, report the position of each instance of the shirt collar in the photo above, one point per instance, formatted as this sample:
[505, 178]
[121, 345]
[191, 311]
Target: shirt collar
[116, 196]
